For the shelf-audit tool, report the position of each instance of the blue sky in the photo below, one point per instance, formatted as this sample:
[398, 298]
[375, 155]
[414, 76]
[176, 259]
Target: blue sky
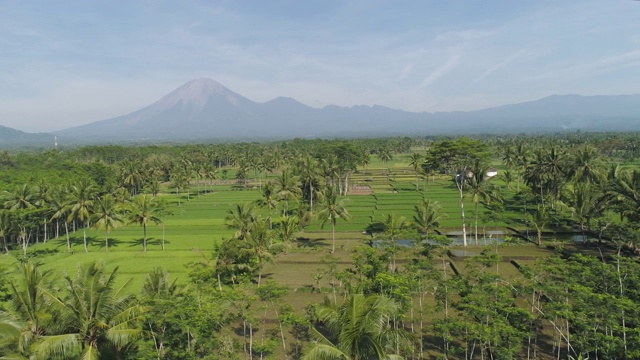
[66, 63]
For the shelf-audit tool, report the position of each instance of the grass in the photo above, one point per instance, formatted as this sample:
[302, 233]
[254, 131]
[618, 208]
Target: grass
[198, 224]
[195, 226]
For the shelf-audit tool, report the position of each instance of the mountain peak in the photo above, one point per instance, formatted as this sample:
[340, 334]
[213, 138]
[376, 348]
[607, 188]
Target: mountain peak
[203, 85]
[196, 93]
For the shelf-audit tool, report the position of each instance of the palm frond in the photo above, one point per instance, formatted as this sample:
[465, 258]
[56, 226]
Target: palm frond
[57, 346]
[325, 352]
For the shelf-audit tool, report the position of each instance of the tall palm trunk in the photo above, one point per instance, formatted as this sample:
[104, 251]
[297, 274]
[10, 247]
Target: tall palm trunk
[84, 237]
[476, 220]
[333, 233]
[66, 229]
[464, 225]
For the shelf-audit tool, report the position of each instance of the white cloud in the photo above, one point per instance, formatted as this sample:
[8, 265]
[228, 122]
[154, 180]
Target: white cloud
[441, 71]
[406, 71]
[463, 35]
[603, 65]
[499, 65]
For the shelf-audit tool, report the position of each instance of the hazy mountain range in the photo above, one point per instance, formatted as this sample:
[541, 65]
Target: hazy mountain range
[203, 109]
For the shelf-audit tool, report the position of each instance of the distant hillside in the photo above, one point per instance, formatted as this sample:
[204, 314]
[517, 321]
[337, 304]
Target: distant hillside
[204, 109]
[15, 138]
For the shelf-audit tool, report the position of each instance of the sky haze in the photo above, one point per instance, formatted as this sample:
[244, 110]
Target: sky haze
[67, 63]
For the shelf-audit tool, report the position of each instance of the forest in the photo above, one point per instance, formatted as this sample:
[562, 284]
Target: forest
[483, 247]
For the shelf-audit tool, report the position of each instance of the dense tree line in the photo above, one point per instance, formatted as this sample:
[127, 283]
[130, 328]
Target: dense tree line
[565, 305]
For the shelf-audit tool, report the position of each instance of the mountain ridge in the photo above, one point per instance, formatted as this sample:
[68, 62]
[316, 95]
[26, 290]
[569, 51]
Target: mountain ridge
[205, 109]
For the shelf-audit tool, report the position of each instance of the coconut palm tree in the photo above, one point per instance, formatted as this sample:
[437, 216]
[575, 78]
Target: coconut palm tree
[81, 199]
[585, 165]
[415, 161]
[268, 199]
[159, 294]
[240, 218]
[358, 329]
[143, 212]
[309, 171]
[287, 188]
[106, 215]
[21, 198]
[60, 206]
[427, 217]
[131, 176]
[385, 154]
[42, 197]
[260, 243]
[520, 158]
[625, 190]
[394, 226]
[10, 327]
[179, 180]
[162, 210]
[586, 202]
[331, 210]
[288, 228]
[97, 320]
[29, 304]
[481, 191]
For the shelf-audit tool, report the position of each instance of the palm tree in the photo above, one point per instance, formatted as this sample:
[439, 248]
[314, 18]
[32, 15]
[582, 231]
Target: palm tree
[179, 180]
[586, 202]
[507, 176]
[585, 165]
[162, 210]
[546, 172]
[157, 285]
[482, 191]
[6, 226]
[159, 294]
[331, 210]
[393, 227]
[10, 327]
[241, 218]
[385, 154]
[60, 206]
[21, 198]
[29, 304]
[415, 161]
[259, 239]
[81, 200]
[288, 188]
[308, 168]
[143, 212]
[153, 186]
[520, 159]
[42, 197]
[106, 215]
[427, 217]
[625, 189]
[461, 179]
[97, 320]
[289, 227]
[268, 199]
[358, 329]
[131, 176]
[540, 219]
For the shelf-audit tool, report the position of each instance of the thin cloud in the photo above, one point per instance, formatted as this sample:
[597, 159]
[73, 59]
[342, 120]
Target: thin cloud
[607, 64]
[463, 35]
[441, 71]
[499, 65]
[406, 71]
